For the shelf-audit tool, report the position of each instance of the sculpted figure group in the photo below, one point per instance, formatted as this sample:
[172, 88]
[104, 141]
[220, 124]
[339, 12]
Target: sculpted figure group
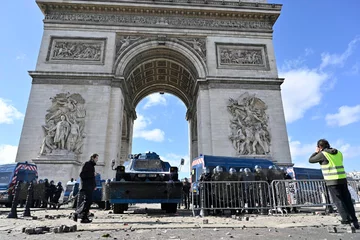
[65, 122]
[249, 125]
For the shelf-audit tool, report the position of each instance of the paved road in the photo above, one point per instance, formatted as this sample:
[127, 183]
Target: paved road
[154, 224]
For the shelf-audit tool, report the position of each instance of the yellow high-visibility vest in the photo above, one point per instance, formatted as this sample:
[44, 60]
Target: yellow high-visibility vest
[334, 169]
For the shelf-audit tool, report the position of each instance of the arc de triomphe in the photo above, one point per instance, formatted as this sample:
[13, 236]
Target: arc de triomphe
[98, 59]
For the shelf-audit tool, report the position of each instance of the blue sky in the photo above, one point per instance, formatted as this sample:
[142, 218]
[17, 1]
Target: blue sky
[317, 47]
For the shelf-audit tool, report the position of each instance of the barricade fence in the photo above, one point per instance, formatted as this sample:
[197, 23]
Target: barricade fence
[354, 189]
[232, 195]
[262, 196]
[299, 193]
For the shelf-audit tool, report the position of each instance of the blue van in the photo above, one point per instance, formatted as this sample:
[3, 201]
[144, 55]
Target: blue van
[10, 174]
[299, 173]
[207, 161]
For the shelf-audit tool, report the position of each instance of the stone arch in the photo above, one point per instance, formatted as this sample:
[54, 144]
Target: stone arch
[171, 67]
[124, 59]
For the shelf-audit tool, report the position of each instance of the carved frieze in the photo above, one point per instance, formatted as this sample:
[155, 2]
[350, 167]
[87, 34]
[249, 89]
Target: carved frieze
[198, 44]
[244, 57]
[79, 50]
[159, 21]
[249, 125]
[122, 42]
[64, 125]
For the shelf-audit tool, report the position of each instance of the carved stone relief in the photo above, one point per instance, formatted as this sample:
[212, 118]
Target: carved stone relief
[158, 21]
[247, 57]
[64, 125]
[77, 49]
[249, 125]
[198, 44]
[123, 42]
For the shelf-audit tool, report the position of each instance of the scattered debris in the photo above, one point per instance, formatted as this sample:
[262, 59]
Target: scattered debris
[106, 235]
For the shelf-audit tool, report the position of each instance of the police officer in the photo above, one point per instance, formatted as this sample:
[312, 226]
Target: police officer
[205, 194]
[186, 192]
[261, 189]
[232, 188]
[249, 178]
[57, 194]
[88, 185]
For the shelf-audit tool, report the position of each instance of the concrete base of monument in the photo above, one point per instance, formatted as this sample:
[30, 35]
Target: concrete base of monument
[59, 166]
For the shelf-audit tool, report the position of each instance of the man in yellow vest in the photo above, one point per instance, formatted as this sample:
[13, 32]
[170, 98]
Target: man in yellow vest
[331, 162]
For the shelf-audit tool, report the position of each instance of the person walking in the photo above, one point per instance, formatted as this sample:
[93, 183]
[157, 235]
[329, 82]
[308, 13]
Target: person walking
[186, 193]
[88, 185]
[331, 163]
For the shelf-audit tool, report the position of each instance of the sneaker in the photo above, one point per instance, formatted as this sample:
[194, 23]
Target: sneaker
[356, 225]
[85, 220]
[75, 217]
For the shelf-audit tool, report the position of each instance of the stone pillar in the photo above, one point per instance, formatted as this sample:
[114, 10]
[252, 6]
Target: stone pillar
[114, 128]
[204, 121]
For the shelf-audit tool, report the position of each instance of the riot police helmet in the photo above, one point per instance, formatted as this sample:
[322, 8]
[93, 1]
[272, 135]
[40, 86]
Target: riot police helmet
[272, 167]
[207, 170]
[219, 169]
[247, 170]
[257, 168]
[59, 183]
[241, 170]
[232, 171]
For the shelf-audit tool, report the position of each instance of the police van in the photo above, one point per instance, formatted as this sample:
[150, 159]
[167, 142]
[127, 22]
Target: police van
[10, 174]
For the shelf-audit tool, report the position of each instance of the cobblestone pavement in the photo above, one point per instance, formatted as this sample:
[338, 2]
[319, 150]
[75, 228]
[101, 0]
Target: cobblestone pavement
[148, 222]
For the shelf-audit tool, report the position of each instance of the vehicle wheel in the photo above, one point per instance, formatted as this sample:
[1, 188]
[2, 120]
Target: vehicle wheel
[164, 206]
[171, 208]
[101, 204]
[120, 208]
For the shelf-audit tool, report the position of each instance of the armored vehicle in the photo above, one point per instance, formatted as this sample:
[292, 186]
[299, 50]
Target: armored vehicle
[145, 178]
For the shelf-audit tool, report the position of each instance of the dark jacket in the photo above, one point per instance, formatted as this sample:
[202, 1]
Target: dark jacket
[87, 175]
[322, 160]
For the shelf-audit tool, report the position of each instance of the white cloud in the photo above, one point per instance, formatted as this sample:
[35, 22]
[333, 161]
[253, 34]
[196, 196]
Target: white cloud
[301, 152]
[155, 99]
[301, 90]
[21, 56]
[345, 116]
[348, 150]
[7, 154]
[8, 113]
[328, 59]
[298, 149]
[355, 69]
[140, 131]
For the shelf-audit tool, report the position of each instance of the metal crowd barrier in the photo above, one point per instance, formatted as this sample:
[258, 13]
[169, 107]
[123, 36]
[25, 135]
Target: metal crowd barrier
[231, 195]
[215, 196]
[354, 189]
[299, 193]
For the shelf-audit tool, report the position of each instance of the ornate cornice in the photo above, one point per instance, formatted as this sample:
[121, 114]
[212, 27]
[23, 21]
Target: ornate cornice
[250, 16]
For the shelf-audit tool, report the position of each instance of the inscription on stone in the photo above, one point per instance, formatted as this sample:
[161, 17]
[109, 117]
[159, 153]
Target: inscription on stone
[164, 21]
[249, 125]
[79, 50]
[247, 57]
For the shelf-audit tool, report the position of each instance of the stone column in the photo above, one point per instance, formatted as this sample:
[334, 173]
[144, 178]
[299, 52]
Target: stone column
[204, 130]
[114, 128]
